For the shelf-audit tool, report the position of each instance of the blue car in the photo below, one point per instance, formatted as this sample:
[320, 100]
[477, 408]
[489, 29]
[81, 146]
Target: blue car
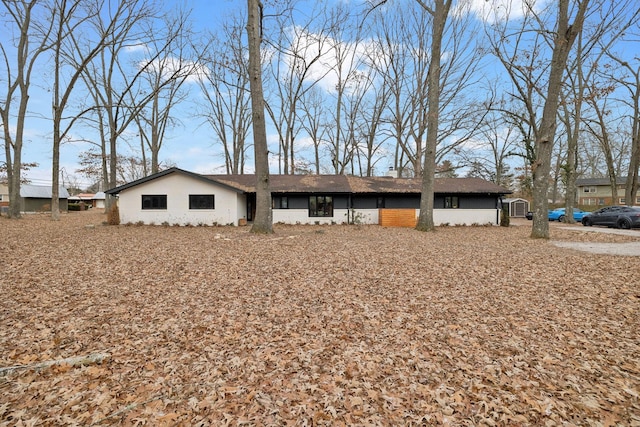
[559, 215]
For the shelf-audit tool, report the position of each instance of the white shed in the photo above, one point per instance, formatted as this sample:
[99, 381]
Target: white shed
[518, 208]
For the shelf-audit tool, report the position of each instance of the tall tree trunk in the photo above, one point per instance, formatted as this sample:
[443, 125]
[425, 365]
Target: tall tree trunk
[633, 178]
[425, 220]
[541, 168]
[263, 221]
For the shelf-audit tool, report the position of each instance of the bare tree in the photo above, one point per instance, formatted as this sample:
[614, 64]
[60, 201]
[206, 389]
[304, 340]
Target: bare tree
[497, 141]
[19, 61]
[263, 221]
[165, 80]
[115, 81]
[73, 50]
[439, 12]
[295, 52]
[522, 57]
[565, 35]
[226, 94]
[314, 123]
[347, 58]
[631, 84]
[610, 21]
[603, 129]
[403, 37]
[371, 140]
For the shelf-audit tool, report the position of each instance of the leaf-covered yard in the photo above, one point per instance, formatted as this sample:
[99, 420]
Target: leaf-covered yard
[316, 325]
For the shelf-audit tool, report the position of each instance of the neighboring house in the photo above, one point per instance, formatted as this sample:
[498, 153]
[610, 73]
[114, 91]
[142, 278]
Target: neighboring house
[99, 200]
[94, 200]
[37, 198]
[518, 208]
[597, 192]
[86, 198]
[179, 197]
[4, 199]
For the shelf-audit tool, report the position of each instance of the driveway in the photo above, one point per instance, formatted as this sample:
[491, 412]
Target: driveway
[621, 249]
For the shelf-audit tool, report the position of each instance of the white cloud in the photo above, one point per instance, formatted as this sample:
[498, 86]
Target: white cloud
[492, 11]
[172, 67]
[135, 48]
[338, 59]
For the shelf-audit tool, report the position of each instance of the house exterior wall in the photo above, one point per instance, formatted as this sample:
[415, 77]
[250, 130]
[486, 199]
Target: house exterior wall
[301, 216]
[4, 195]
[600, 195]
[177, 188]
[479, 210]
[28, 204]
[465, 216]
[372, 216]
[459, 216]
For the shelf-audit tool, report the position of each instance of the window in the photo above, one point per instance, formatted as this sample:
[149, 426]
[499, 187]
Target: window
[320, 206]
[201, 201]
[451, 202]
[589, 189]
[281, 202]
[154, 201]
[621, 201]
[601, 202]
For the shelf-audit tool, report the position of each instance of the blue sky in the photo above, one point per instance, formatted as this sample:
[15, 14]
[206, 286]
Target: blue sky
[189, 146]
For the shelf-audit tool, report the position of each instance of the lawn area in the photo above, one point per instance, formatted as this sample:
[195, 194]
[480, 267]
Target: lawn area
[314, 325]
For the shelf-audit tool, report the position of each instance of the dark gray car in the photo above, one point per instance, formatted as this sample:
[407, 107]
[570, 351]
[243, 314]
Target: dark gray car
[625, 217]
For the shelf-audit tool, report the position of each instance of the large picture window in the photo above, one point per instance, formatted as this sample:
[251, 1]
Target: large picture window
[201, 201]
[281, 202]
[154, 201]
[320, 206]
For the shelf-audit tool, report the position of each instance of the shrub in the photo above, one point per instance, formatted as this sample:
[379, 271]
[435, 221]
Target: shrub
[113, 215]
[504, 216]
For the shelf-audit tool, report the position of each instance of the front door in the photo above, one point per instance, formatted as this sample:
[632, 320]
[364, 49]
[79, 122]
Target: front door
[251, 206]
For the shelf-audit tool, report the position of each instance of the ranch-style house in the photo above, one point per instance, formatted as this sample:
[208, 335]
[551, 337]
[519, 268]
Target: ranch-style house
[180, 197]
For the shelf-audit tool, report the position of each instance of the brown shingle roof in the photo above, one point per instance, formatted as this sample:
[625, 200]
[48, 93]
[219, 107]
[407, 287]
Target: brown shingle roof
[289, 183]
[355, 184]
[335, 184]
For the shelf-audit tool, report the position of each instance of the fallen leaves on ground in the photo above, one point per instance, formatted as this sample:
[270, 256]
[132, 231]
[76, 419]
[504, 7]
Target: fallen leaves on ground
[314, 325]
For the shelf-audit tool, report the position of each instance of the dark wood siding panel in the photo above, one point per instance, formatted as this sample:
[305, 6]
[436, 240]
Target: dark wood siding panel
[365, 202]
[409, 201]
[298, 202]
[478, 202]
[340, 202]
[468, 201]
[301, 201]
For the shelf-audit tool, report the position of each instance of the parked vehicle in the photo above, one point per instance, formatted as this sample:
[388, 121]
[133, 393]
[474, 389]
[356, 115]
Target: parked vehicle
[624, 217]
[559, 214]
